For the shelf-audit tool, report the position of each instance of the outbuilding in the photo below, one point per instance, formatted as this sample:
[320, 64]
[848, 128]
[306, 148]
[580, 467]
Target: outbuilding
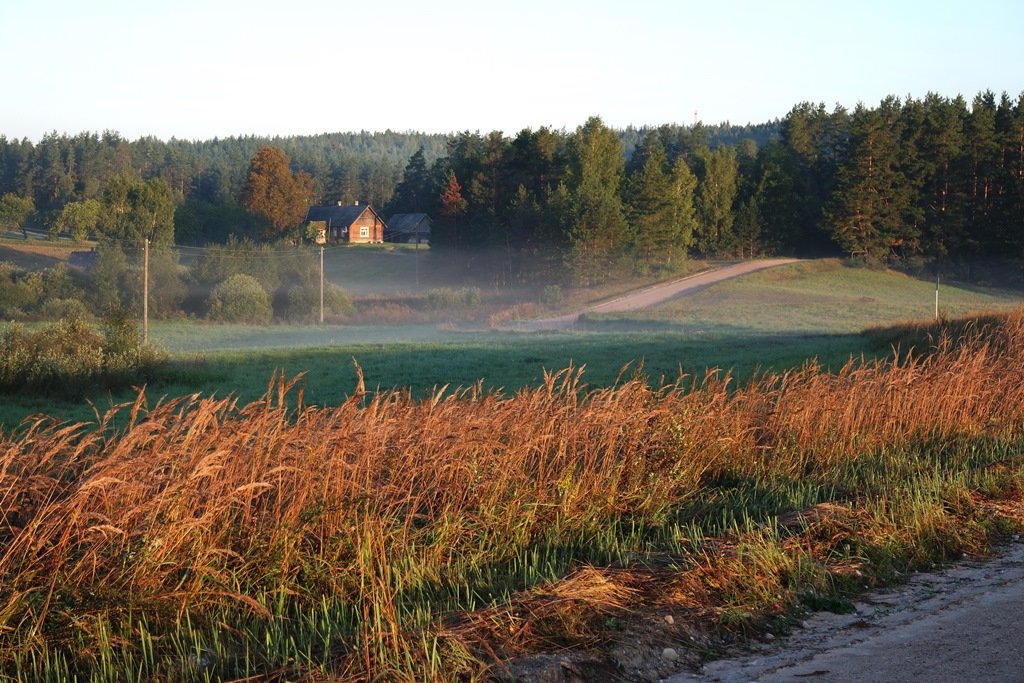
[413, 228]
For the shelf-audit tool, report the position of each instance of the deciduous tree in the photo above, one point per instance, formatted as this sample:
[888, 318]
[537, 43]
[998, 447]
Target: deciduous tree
[15, 211]
[77, 219]
[453, 205]
[134, 210]
[273, 192]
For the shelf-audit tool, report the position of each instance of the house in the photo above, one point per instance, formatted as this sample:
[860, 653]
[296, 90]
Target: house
[349, 223]
[413, 228]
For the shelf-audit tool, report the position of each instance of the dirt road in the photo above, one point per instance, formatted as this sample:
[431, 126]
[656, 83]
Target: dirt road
[656, 294]
[961, 624]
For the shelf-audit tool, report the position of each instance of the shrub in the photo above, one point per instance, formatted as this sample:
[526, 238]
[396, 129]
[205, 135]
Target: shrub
[70, 356]
[19, 290]
[302, 302]
[218, 262]
[59, 309]
[522, 311]
[337, 301]
[298, 303]
[63, 356]
[449, 297]
[240, 299]
[552, 295]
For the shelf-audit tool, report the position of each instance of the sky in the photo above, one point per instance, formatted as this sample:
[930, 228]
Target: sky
[196, 70]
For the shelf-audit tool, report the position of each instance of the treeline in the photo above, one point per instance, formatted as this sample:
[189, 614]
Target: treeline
[76, 185]
[915, 179]
[911, 180]
[205, 179]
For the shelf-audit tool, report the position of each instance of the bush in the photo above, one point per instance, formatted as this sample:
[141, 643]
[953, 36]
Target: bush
[20, 291]
[523, 311]
[70, 356]
[64, 355]
[218, 262]
[240, 299]
[303, 302]
[59, 309]
[448, 297]
[552, 295]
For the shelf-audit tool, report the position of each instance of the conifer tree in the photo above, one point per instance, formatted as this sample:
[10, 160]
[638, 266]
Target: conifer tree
[599, 232]
[868, 213]
[716, 193]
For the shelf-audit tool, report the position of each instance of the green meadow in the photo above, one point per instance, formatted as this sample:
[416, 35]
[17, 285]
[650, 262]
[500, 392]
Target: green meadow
[774, 319]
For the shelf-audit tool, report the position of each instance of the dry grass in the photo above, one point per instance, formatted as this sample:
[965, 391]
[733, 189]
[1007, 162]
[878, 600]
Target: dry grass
[201, 510]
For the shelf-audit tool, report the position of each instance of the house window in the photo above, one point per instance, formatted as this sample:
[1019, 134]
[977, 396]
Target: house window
[364, 232]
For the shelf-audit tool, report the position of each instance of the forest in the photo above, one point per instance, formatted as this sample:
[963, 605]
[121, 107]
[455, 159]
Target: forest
[919, 181]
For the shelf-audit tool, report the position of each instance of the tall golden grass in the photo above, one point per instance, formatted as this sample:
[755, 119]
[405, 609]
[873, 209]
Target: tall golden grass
[200, 508]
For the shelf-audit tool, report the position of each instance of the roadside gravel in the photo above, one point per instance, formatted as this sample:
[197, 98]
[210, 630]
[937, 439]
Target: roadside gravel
[961, 624]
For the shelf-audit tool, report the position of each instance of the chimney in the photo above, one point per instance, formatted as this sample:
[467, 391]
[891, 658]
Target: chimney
[341, 203]
[357, 202]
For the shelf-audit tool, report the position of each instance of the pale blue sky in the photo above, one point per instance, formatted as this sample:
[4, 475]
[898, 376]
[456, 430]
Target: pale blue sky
[196, 70]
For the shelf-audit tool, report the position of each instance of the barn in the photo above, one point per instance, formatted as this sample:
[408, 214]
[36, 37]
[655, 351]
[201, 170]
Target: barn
[413, 228]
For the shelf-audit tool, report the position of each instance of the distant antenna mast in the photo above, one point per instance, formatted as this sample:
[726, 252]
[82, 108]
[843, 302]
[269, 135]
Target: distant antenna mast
[695, 119]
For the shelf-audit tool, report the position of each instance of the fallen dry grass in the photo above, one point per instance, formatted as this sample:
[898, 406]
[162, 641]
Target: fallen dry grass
[395, 513]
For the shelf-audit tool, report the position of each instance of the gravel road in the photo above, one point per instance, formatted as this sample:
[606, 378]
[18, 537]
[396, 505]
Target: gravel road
[656, 294]
[960, 624]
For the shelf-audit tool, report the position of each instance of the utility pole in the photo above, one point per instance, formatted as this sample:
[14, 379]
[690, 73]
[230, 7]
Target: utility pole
[321, 284]
[145, 292]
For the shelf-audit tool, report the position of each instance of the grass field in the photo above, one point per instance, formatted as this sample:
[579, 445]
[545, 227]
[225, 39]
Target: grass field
[37, 253]
[393, 539]
[814, 297]
[771, 319]
[216, 529]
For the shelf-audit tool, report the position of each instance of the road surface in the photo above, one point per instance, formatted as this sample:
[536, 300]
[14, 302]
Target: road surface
[655, 294]
[960, 624]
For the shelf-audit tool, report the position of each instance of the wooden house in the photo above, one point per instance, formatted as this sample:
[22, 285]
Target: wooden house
[413, 228]
[347, 223]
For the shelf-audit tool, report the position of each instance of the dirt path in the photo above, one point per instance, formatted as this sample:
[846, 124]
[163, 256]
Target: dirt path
[961, 624]
[656, 294]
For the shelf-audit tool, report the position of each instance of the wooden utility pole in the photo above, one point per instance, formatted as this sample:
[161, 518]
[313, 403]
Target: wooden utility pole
[145, 292]
[321, 285]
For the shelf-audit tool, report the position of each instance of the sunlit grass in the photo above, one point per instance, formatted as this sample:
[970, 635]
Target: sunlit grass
[395, 538]
[822, 297]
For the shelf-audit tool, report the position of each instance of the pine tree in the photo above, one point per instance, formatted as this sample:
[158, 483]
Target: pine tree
[660, 204]
[716, 192]
[413, 194]
[868, 211]
[599, 231]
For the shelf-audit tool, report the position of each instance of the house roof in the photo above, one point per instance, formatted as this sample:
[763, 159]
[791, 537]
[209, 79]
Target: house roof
[337, 216]
[409, 222]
